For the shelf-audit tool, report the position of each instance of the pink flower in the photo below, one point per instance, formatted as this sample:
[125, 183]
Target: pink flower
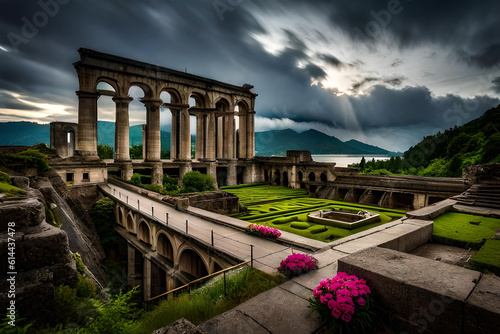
[336, 313]
[329, 295]
[346, 317]
[316, 293]
[323, 300]
[331, 304]
[361, 301]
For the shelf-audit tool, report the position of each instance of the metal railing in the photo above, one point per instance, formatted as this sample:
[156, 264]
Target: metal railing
[196, 282]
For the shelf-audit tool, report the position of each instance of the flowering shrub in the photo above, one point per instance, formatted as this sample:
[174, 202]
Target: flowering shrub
[297, 264]
[344, 303]
[262, 230]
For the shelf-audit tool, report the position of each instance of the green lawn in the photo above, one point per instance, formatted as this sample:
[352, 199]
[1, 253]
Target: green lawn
[488, 258]
[287, 209]
[464, 230]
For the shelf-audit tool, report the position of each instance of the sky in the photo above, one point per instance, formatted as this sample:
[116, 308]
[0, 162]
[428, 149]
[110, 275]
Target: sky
[386, 73]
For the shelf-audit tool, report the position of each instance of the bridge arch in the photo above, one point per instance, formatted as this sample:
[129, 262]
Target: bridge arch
[144, 232]
[131, 223]
[119, 214]
[192, 263]
[165, 246]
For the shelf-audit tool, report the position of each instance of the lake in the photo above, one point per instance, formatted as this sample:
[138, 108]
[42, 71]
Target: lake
[343, 160]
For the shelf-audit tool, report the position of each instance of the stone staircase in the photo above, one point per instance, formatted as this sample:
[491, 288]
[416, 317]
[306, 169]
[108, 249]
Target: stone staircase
[485, 195]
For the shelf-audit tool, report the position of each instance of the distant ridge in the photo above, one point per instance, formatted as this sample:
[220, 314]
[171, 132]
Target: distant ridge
[273, 142]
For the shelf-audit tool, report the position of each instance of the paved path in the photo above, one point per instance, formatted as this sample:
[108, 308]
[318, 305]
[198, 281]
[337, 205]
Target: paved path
[231, 239]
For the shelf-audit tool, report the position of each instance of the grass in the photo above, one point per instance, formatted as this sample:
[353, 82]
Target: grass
[286, 209]
[208, 301]
[488, 258]
[456, 229]
[10, 190]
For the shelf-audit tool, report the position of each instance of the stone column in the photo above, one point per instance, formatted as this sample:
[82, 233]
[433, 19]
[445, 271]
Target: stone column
[211, 133]
[127, 172]
[185, 135]
[229, 148]
[146, 279]
[174, 134]
[243, 137]
[231, 173]
[87, 124]
[220, 137]
[250, 135]
[122, 141]
[200, 137]
[153, 139]
[157, 175]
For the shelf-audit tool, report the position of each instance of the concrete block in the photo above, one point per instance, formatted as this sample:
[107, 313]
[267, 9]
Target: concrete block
[357, 245]
[482, 309]
[284, 312]
[432, 211]
[407, 237]
[427, 293]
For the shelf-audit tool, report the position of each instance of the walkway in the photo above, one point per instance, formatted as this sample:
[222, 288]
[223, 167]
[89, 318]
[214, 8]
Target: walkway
[229, 236]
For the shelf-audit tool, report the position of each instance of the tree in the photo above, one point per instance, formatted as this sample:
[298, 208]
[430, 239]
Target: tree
[136, 151]
[362, 163]
[105, 151]
[195, 181]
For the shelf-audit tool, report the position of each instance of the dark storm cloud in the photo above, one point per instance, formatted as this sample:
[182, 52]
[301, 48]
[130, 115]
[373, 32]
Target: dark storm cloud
[315, 71]
[332, 60]
[496, 85]
[8, 101]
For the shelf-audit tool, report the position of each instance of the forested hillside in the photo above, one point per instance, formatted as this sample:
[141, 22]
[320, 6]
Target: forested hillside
[446, 153]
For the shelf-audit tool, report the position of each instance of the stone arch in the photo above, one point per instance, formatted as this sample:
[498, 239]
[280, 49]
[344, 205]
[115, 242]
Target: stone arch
[131, 223]
[311, 176]
[144, 231]
[285, 179]
[266, 175]
[110, 81]
[119, 215]
[192, 263]
[242, 106]
[175, 96]
[165, 246]
[222, 104]
[323, 177]
[202, 100]
[300, 175]
[71, 142]
[277, 177]
[148, 91]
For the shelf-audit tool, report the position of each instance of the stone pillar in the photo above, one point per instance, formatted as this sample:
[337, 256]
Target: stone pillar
[243, 137]
[153, 139]
[87, 124]
[146, 279]
[157, 175]
[211, 133]
[250, 135]
[229, 140]
[185, 135]
[231, 173]
[200, 137]
[174, 135]
[220, 137]
[122, 141]
[183, 169]
[127, 172]
[212, 171]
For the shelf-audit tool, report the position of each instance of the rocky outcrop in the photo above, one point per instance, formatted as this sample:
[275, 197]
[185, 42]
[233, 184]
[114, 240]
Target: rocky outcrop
[42, 259]
[75, 220]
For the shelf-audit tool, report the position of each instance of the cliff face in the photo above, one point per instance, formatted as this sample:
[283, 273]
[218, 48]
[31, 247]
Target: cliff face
[76, 222]
[42, 259]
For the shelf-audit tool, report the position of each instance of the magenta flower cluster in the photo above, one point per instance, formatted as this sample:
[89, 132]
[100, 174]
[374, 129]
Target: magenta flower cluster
[297, 264]
[262, 230]
[342, 294]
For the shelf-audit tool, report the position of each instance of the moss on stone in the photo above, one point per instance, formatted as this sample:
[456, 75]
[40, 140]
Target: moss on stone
[488, 258]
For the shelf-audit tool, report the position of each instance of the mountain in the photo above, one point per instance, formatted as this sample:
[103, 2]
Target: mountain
[274, 142]
[277, 142]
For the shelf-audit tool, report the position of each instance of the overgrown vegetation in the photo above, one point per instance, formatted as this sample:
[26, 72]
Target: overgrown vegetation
[31, 158]
[209, 300]
[446, 153]
[105, 151]
[195, 181]
[50, 218]
[103, 216]
[7, 188]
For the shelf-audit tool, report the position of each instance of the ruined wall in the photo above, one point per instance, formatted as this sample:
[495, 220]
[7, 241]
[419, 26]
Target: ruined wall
[42, 256]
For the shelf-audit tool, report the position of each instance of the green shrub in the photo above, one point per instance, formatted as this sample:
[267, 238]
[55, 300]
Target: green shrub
[284, 220]
[30, 158]
[198, 181]
[80, 266]
[105, 151]
[65, 305]
[5, 178]
[488, 257]
[85, 288]
[300, 225]
[169, 183]
[318, 229]
[153, 187]
[10, 190]
[50, 218]
[103, 217]
[136, 179]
